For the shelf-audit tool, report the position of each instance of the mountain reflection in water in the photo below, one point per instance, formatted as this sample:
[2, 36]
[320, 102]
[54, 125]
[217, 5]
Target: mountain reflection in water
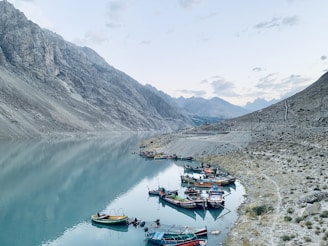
[50, 188]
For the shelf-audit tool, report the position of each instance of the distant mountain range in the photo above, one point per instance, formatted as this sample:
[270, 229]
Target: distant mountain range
[207, 111]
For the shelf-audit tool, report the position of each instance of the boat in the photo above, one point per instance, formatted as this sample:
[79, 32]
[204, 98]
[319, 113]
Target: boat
[189, 168]
[196, 242]
[110, 219]
[200, 201]
[158, 226]
[112, 227]
[215, 198]
[186, 158]
[161, 189]
[192, 191]
[178, 201]
[208, 183]
[188, 179]
[168, 238]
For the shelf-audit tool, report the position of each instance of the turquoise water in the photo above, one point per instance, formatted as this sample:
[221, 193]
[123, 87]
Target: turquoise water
[49, 189]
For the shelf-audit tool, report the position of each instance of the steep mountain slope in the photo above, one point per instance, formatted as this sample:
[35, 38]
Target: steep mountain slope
[48, 85]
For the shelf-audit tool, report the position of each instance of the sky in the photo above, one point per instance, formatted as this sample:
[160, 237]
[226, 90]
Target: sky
[237, 50]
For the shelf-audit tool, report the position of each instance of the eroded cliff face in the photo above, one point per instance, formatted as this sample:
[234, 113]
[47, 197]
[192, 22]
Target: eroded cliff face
[48, 85]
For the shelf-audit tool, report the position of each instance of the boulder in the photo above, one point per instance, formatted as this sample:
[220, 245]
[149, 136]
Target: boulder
[310, 209]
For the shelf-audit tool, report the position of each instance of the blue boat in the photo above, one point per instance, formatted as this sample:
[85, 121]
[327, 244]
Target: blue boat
[168, 238]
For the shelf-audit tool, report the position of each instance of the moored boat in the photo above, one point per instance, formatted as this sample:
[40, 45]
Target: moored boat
[110, 219]
[208, 183]
[189, 168]
[196, 242]
[156, 192]
[215, 198]
[178, 201]
[167, 238]
[158, 226]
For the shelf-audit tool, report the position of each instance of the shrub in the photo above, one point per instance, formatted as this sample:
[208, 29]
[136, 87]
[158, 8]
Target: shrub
[258, 210]
[324, 214]
[285, 238]
[298, 219]
[287, 218]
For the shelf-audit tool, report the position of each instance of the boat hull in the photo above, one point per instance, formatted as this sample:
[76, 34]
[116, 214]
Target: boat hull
[180, 203]
[110, 219]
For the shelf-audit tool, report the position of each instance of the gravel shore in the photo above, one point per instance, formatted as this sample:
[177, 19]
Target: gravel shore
[286, 183]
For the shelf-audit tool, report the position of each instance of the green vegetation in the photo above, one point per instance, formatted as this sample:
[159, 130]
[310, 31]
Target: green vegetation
[286, 238]
[298, 219]
[324, 214]
[258, 210]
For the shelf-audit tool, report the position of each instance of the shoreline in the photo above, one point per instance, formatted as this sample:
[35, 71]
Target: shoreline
[280, 178]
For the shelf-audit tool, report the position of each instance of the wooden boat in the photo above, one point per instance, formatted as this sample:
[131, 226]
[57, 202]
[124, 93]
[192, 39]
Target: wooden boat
[186, 158]
[167, 238]
[200, 201]
[110, 219]
[178, 201]
[209, 170]
[215, 198]
[189, 168]
[196, 242]
[188, 179]
[192, 191]
[157, 226]
[208, 183]
[112, 227]
[161, 189]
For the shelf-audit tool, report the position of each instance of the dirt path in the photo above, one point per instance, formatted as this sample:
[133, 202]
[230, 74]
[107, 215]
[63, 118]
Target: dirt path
[277, 210]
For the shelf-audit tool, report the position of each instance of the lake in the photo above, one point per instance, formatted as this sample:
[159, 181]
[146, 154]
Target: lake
[50, 188]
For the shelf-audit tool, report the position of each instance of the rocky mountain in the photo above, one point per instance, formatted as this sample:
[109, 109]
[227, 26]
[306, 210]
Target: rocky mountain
[48, 85]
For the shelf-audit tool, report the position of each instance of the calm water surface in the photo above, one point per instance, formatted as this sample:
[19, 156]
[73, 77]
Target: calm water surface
[49, 189]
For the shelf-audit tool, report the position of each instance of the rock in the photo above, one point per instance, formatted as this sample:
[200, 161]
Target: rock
[310, 209]
[315, 197]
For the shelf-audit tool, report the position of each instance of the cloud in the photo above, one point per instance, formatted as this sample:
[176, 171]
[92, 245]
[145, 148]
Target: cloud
[195, 93]
[222, 87]
[277, 22]
[274, 22]
[188, 3]
[92, 38]
[294, 80]
[267, 82]
[282, 87]
[257, 69]
[290, 21]
[114, 10]
[209, 16]
[145, 42]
